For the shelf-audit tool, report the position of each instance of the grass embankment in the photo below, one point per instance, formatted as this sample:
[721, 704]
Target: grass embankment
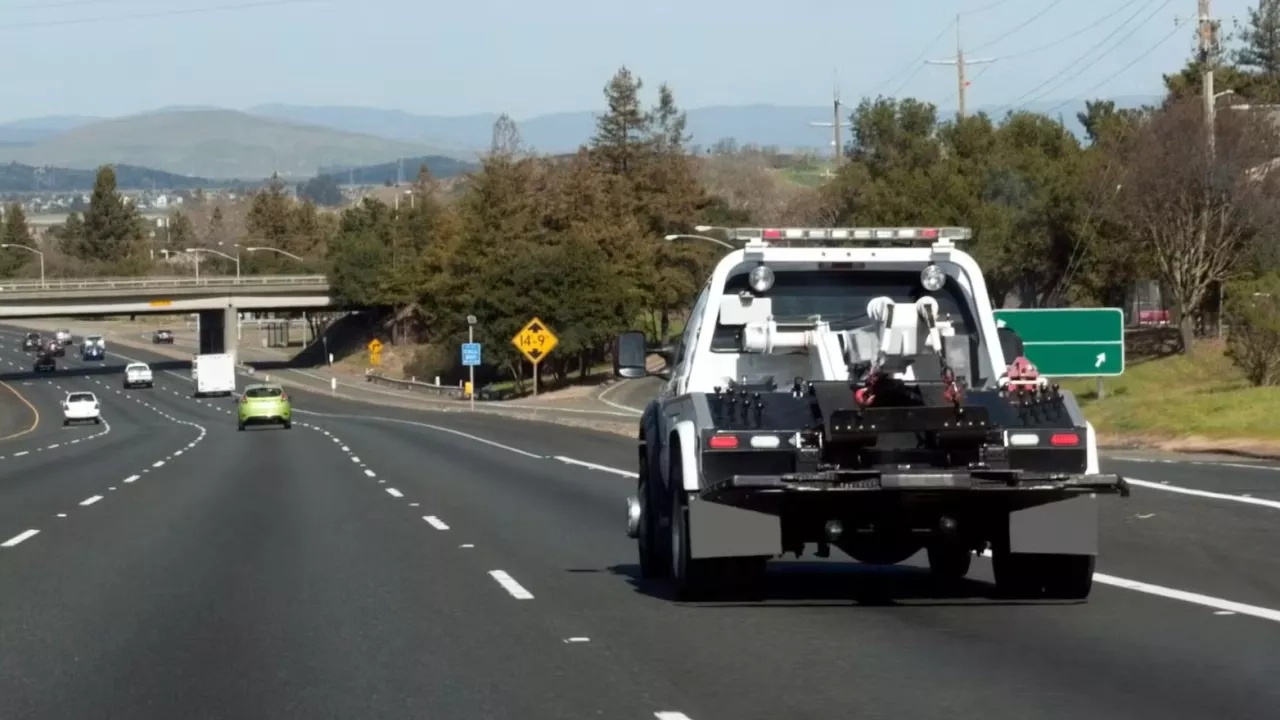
[1197, 402]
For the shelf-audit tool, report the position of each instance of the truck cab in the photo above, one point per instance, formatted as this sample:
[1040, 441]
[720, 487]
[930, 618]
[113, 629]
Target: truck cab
[849, 387]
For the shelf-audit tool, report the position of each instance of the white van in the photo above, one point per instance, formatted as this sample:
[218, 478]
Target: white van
[214, 374]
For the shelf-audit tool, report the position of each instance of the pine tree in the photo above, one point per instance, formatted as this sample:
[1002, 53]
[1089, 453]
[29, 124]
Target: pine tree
[1261, 38]
[621, 131]
[269, 214]
[112, 229]
[14, 231]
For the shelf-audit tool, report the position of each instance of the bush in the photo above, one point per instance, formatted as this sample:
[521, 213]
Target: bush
[1253, 313]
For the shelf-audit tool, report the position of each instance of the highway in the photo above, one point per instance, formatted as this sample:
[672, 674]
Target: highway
[388, 562]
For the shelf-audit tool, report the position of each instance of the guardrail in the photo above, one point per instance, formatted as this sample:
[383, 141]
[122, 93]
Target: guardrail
[163, 283]
[449, 391]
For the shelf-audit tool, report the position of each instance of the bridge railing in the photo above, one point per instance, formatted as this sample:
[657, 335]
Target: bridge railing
[163, 283]
[449, 391]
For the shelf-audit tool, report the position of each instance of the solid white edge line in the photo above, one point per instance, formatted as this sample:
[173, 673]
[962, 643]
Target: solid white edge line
[435, 522]
[509, 584]
[89, 501]
[612, 404]
[11, 542]
[594, 466]
[1273, 504]
[394, 493]
[1191, 597]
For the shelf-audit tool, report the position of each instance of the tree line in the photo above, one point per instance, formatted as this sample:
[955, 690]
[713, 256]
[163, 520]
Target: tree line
[1150, 194]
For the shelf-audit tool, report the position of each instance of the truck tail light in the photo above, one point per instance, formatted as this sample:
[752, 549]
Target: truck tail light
[1064, 440]
[722, 442]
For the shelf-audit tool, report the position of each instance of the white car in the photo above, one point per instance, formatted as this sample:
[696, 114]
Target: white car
[137, 374]
[81, 407]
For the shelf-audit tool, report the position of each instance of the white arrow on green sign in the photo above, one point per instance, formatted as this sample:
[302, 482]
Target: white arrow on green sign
[1070, 342]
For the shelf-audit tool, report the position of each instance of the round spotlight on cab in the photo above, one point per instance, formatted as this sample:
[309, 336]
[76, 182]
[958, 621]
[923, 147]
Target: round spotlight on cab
[932, 278]
[760, 279]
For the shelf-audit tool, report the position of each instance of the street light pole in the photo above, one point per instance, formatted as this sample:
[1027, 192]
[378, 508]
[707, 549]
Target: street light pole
[471, 369]
[28, 248]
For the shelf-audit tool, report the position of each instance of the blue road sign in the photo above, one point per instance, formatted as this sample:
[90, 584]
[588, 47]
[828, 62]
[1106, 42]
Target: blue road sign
[470, 354]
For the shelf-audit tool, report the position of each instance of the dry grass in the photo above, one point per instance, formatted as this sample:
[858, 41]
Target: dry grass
[1199, 402]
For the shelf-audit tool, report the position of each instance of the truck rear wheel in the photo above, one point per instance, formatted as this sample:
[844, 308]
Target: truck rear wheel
[949, 562]
[653, 561]
[1057, 577]
[691, 578]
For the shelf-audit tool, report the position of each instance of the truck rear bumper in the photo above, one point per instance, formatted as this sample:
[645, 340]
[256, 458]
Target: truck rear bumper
[744, 515]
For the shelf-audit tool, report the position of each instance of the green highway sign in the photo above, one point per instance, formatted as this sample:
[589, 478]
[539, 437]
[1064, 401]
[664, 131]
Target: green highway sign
[1070, 342]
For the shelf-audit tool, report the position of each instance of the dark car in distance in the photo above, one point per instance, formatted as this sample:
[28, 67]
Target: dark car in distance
[162, 337]
[45, 363]
[31, 342]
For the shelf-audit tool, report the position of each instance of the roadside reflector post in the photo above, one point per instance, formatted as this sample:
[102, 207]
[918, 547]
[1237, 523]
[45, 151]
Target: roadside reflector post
[333, 385]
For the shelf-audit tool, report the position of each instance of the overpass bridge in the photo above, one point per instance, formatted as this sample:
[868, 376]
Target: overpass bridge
[217, 300]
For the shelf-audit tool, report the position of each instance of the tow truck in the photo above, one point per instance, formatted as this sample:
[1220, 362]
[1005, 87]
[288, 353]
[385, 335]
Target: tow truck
[850, 387]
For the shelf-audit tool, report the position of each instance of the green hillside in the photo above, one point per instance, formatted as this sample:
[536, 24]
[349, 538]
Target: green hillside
[218, 144]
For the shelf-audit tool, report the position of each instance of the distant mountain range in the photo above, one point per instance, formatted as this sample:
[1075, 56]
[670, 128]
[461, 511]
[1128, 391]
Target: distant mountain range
[300, 141]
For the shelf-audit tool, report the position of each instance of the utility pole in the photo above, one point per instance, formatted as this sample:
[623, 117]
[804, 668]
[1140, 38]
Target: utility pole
[836, 123]
[961, 62]
[1208, 33]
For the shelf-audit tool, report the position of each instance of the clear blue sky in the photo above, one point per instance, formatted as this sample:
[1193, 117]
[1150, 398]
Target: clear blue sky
[540, 56]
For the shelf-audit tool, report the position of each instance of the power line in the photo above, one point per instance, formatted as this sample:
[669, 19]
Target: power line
[160, 13]
[916, 63]
[1018, 27]
[1038, 49]
[1097, 59]
[1121, 71]
[1071, 65]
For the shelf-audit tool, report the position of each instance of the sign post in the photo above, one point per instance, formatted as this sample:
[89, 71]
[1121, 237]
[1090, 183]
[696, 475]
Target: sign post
[535, 341]
[471, 358]
[1070, 342]
[375, 351]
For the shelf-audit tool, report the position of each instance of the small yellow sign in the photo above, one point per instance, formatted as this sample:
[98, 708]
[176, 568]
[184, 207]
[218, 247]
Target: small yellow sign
[375, 358]
[466, 389]
[375, 346]
[535, 341]
[160, 303]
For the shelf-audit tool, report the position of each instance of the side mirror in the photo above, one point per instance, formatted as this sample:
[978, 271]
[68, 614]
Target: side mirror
[629, 353]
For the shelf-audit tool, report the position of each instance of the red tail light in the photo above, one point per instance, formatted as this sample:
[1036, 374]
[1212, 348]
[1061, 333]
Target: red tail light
[723, 442]
[1064, 440]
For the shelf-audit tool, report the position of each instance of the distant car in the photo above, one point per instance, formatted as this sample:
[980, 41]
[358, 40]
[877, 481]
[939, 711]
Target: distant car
[55, 348]
[162, 337]
[63, 336]
[94, 347]
[45, 363]
[31, 341]
[137, 374]
[81, 407]
[265, 404]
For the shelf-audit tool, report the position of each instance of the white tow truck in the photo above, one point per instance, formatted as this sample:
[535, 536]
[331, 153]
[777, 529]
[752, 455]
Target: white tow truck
[849, 387]
[214, 374]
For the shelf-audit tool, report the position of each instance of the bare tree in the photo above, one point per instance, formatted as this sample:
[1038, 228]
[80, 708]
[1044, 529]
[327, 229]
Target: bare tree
[1197, 209]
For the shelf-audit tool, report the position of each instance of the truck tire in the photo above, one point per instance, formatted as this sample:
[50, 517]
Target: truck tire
[691, 579]
[949, 562]
[653, 558]
[1033, 576]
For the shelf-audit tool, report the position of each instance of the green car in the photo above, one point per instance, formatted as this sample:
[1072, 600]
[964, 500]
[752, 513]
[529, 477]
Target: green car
[265, 404]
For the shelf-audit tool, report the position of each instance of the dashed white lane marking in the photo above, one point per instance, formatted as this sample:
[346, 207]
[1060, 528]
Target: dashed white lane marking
[344, 447]
[54, 446]
[62, 515]
[671, 715]
[509, 584]
[429, 426]
[132, 478]
[466, 545]
[435, 522]
[20, 537]
[577, 640]
[370, 473]
[1273, 504]
[594, 466]
[20, 454]
[355, 459]
[89, 501]
[158, 463]
[394, 492]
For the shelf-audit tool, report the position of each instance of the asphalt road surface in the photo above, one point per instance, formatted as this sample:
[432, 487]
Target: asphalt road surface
[393, 563]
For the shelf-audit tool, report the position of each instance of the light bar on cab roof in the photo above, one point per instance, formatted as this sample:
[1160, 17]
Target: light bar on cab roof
[883, 234]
